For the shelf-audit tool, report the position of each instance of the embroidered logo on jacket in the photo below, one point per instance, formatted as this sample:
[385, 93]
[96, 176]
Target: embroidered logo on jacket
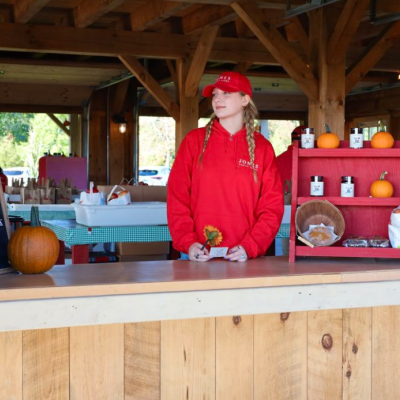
[247, 164]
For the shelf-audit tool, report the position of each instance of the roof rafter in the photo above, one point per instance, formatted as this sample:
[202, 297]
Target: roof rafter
[89, 10]
[372, 55]
[154, 12]
[346, 27]
[59, 123]
[271, 38]
[194, 22]
[151, 85]
[200, 58]
[24, 10]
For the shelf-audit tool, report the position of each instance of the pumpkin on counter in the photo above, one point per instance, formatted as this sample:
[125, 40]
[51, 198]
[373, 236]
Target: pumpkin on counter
[328, 140]
[381, 188]
[33, 249]
[382, 139]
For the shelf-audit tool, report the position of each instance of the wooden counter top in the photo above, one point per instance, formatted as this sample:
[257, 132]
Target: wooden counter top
[181, 276]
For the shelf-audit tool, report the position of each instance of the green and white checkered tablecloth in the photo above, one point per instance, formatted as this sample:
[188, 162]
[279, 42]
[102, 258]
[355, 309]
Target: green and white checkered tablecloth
[46, 215]
[70, 232]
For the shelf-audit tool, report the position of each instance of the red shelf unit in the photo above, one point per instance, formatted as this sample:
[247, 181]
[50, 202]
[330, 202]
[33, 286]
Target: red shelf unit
[364, 215]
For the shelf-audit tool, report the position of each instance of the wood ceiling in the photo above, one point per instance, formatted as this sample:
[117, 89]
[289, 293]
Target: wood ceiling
[56, 52]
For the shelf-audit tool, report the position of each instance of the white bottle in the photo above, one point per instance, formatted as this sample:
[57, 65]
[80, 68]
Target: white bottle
[307, 138]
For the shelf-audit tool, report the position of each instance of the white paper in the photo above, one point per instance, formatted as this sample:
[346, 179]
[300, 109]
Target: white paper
[218, 252]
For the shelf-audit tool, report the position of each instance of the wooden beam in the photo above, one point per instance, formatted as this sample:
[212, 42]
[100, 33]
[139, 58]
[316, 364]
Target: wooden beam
[155, 11]
[24, 10]
[172, 71]
[121, 91]
[50, 39]
[345, 29]
[151, 85]
[88, 11]
[205, 107]
[372, 55]
[194, 22]
[271, 38]
[42, 109]
[199, 60]
[59, 123]
[242, 67]
[300, 33]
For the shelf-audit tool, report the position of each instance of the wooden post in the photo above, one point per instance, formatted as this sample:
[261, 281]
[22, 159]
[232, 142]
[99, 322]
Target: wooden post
[76, 134]
[189, 106]
[329, 107]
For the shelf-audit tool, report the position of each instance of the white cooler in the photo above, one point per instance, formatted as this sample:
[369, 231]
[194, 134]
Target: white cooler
[140, 213]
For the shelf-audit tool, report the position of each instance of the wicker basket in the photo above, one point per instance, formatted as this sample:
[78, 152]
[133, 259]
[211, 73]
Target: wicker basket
[315, 212]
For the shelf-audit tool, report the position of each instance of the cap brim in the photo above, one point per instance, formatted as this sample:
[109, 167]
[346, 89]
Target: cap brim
[207, 91]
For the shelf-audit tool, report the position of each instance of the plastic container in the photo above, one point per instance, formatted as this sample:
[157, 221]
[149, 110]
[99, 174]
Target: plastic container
[141, 213]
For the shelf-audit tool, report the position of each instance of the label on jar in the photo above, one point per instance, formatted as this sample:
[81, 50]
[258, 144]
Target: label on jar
[307, 141]
[317, 189]
[356, 140]
[347, 190]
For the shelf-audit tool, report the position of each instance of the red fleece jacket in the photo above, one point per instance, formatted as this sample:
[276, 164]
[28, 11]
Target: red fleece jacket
[222, 192]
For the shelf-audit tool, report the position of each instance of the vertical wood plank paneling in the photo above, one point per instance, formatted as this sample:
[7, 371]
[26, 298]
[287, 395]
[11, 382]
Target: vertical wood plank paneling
[357, 354]
[142, 361]
[234, 358]
[11, 365]
[46, 364]
[385, 353]
[325, 347]
[280, 356]
[97, 362]
[188, 359]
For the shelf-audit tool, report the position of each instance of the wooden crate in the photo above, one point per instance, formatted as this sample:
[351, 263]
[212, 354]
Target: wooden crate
[364, 215]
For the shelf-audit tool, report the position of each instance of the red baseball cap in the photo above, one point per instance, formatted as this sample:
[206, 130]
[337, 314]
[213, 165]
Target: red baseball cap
[297, 132]
[229, 82]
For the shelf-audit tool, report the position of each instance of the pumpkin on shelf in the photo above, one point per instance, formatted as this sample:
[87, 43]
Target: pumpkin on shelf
[33, 249]
[382, 139]
[328, 140]
[381, 188]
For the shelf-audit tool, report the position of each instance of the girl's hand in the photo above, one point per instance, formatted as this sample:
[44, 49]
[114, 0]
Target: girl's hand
[196, 254]
[237, 253]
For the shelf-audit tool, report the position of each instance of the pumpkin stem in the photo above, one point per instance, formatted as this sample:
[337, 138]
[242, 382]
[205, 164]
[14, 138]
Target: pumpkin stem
[382, 178]
[35, 220]
[327, 128]
[381, 126]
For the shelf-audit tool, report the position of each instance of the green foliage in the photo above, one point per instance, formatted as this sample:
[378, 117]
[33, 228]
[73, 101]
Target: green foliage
[280, 134]
[43, 135]
[156, 141]
[16, 124]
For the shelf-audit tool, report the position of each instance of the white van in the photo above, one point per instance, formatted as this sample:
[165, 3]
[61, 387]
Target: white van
[17, 173]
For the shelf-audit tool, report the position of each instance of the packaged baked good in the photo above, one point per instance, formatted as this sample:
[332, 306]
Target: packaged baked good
[379, 241]
[356, 241]
[321, 236]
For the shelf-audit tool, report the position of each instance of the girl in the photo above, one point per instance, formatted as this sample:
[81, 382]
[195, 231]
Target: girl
[225, 175]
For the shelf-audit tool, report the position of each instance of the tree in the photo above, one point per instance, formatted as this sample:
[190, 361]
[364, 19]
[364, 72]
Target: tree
[280, 134]
[156, 141]
[16, 124]
[11, 155]
[44, 136]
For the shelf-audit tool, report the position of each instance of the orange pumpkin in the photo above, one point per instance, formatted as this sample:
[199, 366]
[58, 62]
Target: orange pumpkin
[328, 140]
[33, 249]
[381, 188]
[382, 139]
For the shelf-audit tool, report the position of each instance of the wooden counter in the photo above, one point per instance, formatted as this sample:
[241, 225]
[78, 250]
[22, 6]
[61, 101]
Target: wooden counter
[171, 330]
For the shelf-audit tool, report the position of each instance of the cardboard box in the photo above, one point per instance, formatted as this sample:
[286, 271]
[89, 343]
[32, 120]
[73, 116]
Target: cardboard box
[145, 248]
[145, 257]
[139, 192]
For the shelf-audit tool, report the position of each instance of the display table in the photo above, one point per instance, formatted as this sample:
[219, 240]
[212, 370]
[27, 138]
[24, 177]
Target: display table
[79, 236]
[46, 211]
[263, 329]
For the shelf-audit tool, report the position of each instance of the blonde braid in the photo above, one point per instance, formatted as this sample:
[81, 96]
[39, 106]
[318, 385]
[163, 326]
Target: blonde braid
[207, 137]
[249, 115]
